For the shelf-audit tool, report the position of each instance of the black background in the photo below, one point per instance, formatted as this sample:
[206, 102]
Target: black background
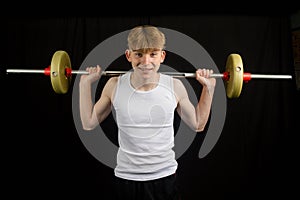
[255, 156]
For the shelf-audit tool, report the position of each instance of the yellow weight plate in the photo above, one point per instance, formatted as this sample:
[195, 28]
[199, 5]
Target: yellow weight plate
[60, 82]
[234, 66]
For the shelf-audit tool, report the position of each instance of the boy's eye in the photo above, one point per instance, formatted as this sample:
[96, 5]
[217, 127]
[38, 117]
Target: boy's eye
[138, 54]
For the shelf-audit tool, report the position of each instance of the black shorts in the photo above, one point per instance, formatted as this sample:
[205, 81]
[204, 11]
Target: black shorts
[159, 189]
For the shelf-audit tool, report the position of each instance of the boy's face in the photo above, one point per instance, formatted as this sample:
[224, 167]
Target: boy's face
[146, 61]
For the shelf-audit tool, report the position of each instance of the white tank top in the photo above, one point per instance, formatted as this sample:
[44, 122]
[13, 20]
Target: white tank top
[146, 134]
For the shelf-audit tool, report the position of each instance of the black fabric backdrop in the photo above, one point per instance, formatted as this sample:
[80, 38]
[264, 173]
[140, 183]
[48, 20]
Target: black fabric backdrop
[255, 155]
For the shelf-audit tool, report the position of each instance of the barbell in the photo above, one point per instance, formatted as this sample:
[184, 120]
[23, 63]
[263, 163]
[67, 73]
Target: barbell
[60, 72]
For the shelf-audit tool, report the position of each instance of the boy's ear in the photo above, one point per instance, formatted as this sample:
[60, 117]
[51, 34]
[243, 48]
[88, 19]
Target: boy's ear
[127, 54]
[163, 56]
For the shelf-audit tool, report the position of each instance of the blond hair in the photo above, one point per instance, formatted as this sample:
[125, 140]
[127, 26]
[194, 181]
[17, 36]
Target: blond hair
[146, 37]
